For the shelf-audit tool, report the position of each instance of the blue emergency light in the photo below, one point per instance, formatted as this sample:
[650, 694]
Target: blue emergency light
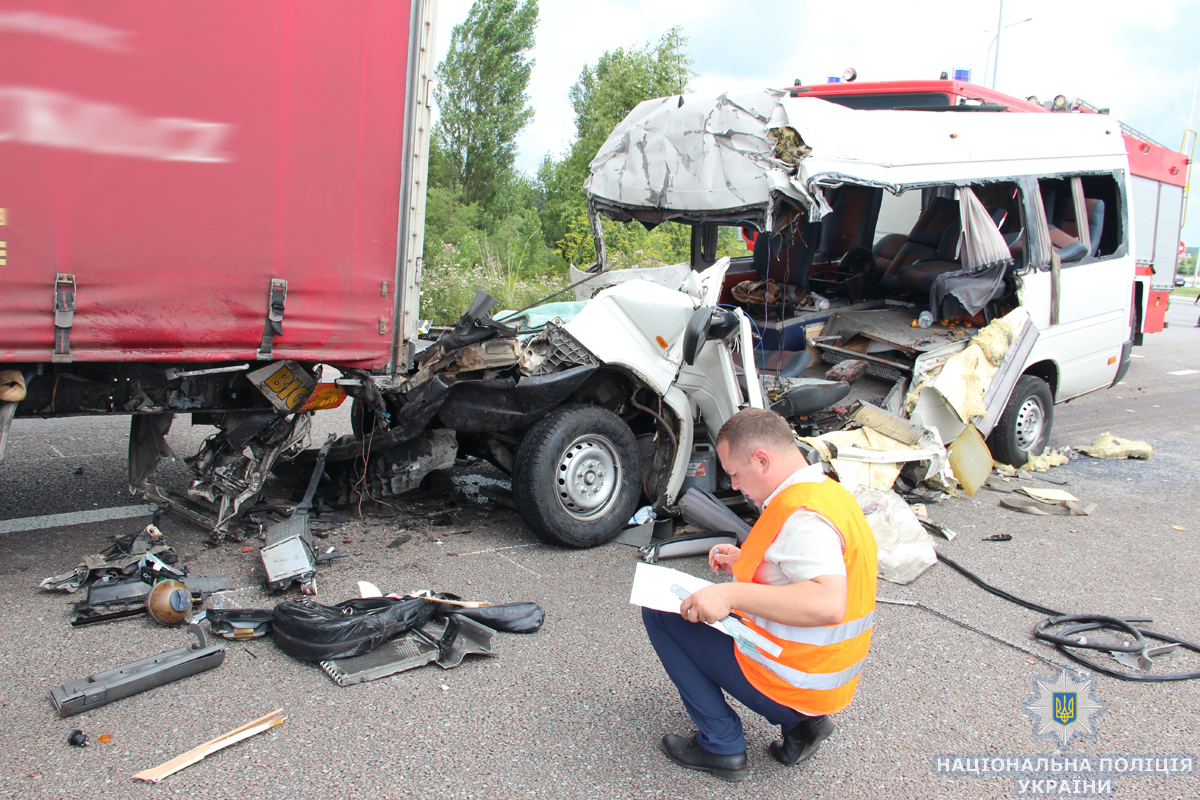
[962, 75]
[833, 79]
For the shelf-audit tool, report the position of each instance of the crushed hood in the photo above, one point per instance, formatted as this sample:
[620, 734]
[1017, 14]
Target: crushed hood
[699, 158]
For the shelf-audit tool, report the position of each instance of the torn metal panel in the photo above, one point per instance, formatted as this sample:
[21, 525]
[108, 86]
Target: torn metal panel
[508, 404]
[147, 445]
[701, 158]
[233, 465]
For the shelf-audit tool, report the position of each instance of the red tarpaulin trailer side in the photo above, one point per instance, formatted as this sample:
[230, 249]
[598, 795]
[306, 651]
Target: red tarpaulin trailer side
[174, 159]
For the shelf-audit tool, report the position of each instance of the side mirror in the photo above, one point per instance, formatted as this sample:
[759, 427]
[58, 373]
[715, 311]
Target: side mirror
[696, 333]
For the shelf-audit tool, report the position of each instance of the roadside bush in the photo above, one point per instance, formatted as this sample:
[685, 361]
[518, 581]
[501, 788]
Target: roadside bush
[450, 281]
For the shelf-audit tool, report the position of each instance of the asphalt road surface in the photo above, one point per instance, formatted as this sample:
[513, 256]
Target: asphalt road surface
[576, 710]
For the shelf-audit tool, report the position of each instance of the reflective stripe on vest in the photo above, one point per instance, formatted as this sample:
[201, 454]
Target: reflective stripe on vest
[816, 636]
[818, 669]
[804, 680]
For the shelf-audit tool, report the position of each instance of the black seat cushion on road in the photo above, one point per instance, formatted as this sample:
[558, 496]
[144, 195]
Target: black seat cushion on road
[309, 631]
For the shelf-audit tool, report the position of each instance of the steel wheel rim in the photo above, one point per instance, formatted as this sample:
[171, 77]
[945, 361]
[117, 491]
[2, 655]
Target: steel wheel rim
[588, 477]
[1031, 419]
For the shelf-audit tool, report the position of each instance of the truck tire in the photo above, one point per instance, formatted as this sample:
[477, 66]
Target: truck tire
[1024, 427]
[577, 477]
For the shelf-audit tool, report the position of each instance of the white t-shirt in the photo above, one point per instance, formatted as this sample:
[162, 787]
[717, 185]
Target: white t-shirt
[808, 545]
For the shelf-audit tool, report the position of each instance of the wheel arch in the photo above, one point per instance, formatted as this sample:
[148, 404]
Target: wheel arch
[1048, 371]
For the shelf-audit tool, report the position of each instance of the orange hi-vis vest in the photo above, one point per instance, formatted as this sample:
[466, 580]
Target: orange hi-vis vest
[818, 670]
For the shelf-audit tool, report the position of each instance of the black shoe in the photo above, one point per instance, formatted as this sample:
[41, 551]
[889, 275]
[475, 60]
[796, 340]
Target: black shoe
[688, 753]
[801, 742]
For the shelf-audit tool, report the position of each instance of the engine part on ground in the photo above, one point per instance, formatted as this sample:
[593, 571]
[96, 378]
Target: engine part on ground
[309, 631]
[123, 557]
[148, 673]
[240, 623]
[169, 602]
[152, 569]
[446, 643]
[134, 590]
[288, 555]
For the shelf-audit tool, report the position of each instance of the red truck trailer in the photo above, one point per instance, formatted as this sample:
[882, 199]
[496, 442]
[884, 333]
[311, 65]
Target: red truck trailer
[201, 203]
[1158, 183]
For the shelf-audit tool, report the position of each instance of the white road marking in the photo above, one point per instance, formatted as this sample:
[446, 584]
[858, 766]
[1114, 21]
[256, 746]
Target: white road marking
[74, 518]
[1184, 372]
[497, 549]
[514, 563]
[60, 456]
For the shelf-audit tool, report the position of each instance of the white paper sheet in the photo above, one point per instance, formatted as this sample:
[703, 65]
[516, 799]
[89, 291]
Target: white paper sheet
[652, 587]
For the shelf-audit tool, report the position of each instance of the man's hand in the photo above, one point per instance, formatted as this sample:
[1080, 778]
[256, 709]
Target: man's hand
[722, 557]
[708, 604]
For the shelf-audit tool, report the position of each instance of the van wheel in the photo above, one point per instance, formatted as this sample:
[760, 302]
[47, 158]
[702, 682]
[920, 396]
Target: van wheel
[1024, 427]
[577, 476]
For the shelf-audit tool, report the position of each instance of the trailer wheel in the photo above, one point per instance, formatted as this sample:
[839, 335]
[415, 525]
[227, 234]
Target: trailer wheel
[577, 477]
[1024, 427]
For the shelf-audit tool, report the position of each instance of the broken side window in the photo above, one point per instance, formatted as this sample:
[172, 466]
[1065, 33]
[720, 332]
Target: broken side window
[1084, 217]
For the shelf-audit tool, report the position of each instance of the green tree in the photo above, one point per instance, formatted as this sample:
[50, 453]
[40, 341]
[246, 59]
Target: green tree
[604, 94]
[481, 97]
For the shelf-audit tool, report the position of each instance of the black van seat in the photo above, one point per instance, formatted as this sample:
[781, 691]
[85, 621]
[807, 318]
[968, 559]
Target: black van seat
[786, 261]
[886, 250]
[1095, 223]
[921, 275]
[851, 223]
[923, 241]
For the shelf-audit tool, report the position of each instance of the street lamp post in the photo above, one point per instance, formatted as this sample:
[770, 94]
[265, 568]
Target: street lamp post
[995, 41]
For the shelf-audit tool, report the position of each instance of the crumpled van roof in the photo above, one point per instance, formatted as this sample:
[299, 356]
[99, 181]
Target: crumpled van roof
[701, 157]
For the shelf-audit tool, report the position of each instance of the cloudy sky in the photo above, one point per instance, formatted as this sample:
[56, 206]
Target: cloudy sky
[1139, 59]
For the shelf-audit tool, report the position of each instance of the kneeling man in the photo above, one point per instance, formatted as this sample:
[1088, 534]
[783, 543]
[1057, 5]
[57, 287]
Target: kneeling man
[804, 578]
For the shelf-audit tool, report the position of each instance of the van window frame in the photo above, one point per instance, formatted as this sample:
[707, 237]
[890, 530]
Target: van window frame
[1118, 177]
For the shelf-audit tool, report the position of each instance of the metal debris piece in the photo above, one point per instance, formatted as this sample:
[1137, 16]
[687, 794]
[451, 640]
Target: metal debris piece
[148, 673]
[445, 643]
[288, 555]
[124, 557]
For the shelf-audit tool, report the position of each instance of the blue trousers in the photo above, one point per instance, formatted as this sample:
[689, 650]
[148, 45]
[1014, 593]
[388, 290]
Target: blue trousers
[700, 662]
